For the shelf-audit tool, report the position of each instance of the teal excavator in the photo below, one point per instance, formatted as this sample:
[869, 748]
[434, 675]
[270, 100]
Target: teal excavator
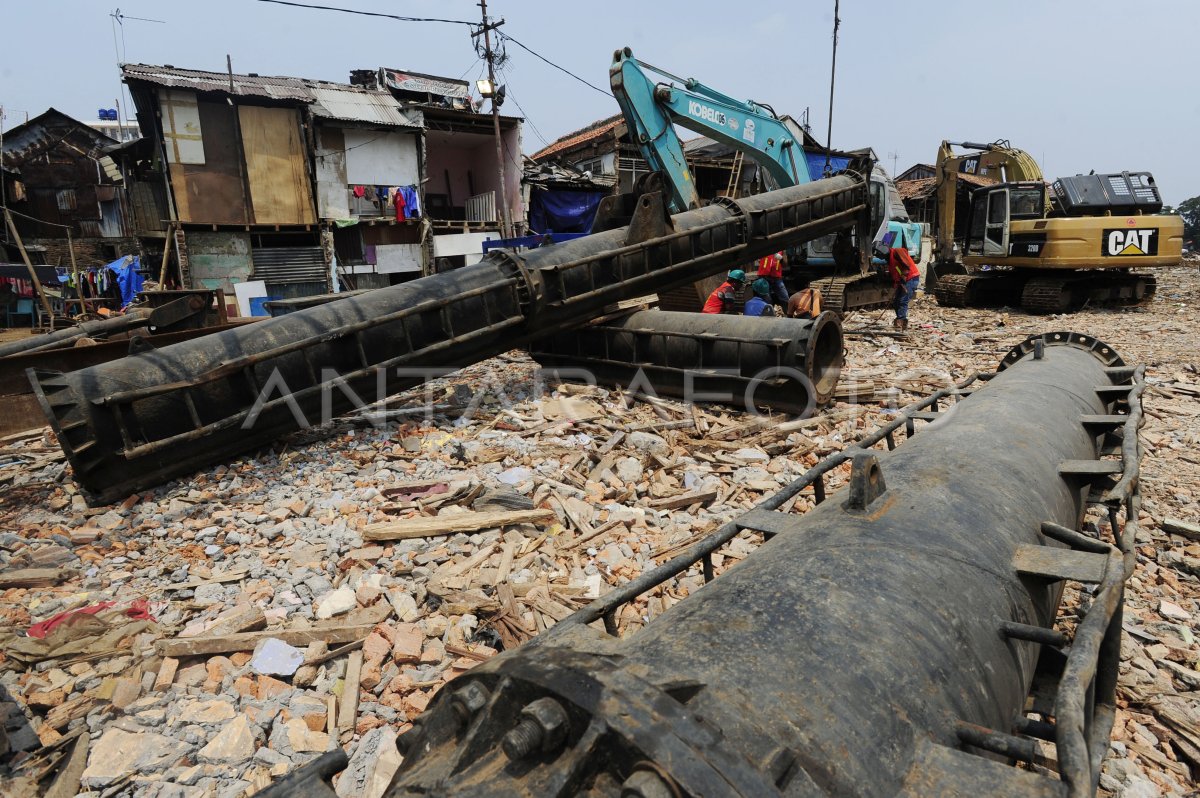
[652, 108]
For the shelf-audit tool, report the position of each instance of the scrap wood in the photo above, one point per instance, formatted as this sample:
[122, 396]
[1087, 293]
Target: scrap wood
[33, 577]
[684, 500]
[1184, 528]
[424, 527]
[595, 533]
[215, 579]
[66, 783]
[348, 711]
[246, 641]
[336, 652]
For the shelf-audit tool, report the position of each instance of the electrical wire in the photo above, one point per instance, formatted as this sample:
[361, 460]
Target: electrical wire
[397, 17]
[541, 57]
[511, 96]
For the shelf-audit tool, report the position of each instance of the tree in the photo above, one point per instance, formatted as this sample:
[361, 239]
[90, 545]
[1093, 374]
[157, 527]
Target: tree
[1189, 209]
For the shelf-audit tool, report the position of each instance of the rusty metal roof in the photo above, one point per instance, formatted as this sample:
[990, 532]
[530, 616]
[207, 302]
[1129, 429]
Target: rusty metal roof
[48, 129]
[275, 88]
[329, 100]
[354, 104]
[582, 136]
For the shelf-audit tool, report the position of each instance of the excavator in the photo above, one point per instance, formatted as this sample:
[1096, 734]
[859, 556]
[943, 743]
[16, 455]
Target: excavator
[1050, 249]
[652, 109]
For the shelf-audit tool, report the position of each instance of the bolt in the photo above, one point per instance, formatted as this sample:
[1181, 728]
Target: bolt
[523, 739]
[646, 784]
[543, 727]
[468, 701]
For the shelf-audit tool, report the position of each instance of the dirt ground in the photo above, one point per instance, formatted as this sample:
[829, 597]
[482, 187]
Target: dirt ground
[275, 538]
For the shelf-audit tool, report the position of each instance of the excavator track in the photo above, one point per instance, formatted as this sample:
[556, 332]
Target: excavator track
[955, 290]
[855, 292]
[1050, 295]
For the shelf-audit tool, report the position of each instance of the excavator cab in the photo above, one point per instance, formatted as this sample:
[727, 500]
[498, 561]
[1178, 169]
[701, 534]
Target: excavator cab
[994, 209]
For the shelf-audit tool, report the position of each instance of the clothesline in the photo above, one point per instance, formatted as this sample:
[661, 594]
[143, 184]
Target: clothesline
[33, 218]
[405, 199]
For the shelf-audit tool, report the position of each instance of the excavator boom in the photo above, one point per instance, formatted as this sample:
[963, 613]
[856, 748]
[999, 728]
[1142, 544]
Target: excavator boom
[652, 108]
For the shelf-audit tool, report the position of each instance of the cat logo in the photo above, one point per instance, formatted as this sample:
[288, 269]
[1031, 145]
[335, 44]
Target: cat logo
[1135, 241]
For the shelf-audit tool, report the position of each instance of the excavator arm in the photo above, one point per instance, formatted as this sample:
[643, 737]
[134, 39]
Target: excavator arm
[652, 109]
[997, 160]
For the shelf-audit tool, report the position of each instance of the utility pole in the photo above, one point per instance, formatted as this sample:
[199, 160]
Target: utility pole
[832, 74]
[486, 30]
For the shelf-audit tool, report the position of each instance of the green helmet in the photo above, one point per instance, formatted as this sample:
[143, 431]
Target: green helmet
[737, 275]
[761, 288]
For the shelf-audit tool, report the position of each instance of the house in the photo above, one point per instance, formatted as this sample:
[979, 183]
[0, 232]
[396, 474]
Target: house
[561, 198]
[920, 198]
[918, 171]
[292, 181]
[461, 191]
[58, 179]
[604, 149]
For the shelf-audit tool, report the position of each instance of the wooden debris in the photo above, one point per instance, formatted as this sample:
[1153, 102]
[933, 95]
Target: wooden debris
[246, 641]
[421, 527]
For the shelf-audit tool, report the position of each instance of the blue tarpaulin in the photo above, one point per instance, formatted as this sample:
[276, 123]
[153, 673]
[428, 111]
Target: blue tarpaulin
[816, 164]
[128, 280]
[563, 211]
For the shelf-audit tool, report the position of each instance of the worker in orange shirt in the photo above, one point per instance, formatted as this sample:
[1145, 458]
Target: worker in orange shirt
[770, 269]
[905, 277]
[722, 300]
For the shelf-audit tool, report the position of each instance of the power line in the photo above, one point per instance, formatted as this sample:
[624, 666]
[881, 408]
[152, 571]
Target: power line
[370, 13]
[517, 102]
[551, 63]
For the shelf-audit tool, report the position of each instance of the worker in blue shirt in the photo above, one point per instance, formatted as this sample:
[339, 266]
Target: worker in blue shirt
[760, 303]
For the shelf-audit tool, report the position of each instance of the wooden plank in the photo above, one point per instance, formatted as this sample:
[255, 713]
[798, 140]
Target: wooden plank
[232, 576]
[32, 577]
[1051, 562]
[1184, 528]
[66, 783]
[423, 527]
[275, 165]
[348, 712]
[166, 674]
[684, 500]
[768, 522]
[246, 641]
[1090, 468]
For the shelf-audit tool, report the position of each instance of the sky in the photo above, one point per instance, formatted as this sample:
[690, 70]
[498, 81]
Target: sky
[1109, 85]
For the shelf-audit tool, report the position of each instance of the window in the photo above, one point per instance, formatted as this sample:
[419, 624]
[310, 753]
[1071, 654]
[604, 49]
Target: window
[593, 165]
[1027, 203]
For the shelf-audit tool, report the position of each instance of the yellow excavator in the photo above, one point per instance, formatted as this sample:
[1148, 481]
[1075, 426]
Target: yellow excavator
[1049, 248]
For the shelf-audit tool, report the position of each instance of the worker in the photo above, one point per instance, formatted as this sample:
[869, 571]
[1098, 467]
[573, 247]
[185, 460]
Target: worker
[770, 269]
[723, 298]
[905, 277]
[804, 304]
[760, 303]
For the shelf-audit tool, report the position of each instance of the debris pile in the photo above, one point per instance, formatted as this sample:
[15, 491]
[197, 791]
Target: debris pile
[215, 633]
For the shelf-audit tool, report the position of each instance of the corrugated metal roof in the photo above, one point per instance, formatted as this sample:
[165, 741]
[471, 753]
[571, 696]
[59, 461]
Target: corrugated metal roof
[592, 131]
[352, 104]
[275, 88]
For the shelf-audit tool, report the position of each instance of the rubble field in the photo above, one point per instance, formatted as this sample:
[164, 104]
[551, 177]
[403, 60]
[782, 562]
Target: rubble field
[204, 638]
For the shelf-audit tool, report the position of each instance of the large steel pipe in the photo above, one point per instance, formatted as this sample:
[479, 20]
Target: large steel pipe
[134, 423]
[883, 643]
[790, 365]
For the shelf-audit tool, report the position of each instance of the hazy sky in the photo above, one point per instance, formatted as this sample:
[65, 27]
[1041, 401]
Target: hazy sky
[1081, 84]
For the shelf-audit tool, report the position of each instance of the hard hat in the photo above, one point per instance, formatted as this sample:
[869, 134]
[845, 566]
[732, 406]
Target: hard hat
[737, 275]
[761, 287]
